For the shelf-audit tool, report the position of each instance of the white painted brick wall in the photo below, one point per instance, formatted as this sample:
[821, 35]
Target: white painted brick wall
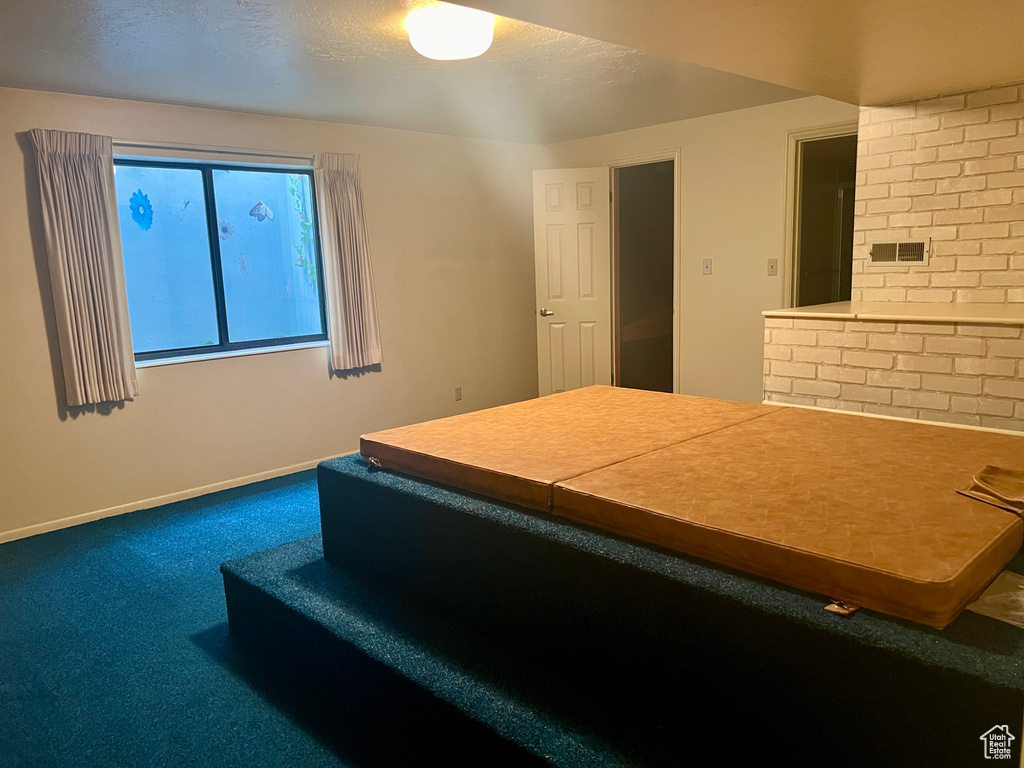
[959, 373]
[952, 169]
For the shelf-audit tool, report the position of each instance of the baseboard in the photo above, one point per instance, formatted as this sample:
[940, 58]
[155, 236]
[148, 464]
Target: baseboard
[156, 501]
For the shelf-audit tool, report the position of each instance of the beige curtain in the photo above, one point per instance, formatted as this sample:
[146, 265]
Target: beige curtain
[83, 247]
[348, 280]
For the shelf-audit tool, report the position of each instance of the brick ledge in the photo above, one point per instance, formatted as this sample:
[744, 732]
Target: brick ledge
[981, 314]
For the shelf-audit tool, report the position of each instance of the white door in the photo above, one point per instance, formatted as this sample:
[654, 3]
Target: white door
[572, 245]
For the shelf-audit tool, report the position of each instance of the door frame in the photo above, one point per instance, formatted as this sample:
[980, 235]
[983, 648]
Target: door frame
[613, 166]
[794, 178]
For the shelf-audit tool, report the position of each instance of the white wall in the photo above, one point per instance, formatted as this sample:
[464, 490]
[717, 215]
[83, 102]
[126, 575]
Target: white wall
[451, 239]
[451, 236]
[732, 210]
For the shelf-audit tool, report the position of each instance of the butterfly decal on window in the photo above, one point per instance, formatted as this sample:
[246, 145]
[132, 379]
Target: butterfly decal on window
[261, 212]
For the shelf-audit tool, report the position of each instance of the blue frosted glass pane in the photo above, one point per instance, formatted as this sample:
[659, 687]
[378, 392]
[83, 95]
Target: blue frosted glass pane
[166, 247]
[266, 244]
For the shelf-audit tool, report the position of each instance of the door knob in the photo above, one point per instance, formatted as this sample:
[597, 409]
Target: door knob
[547, 312]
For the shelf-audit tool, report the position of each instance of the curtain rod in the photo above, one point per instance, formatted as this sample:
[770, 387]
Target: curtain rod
[213, 149]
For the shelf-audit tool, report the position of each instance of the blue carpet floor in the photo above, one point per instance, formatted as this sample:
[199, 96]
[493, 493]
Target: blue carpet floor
[114, 651]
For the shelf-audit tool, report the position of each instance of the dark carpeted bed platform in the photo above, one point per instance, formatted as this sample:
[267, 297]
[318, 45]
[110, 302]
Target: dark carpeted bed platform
[582, 646]
[567, 611]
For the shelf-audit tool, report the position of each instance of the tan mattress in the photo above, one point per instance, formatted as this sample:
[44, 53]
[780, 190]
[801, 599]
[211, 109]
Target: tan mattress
[858, 509]
[517, 452]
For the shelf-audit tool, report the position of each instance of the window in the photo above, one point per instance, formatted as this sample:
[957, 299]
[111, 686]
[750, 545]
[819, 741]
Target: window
[218, 257]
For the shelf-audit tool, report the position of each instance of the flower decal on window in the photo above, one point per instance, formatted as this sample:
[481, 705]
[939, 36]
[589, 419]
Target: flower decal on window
[225, 229]
[142, 211]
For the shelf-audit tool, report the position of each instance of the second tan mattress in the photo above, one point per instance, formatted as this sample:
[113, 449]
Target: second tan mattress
[858, 509]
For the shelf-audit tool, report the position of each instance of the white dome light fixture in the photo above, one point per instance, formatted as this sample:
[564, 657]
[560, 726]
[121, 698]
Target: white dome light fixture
[448, 32]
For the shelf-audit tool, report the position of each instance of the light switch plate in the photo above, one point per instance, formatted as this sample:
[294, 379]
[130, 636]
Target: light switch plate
[773, 267]
[706, 269]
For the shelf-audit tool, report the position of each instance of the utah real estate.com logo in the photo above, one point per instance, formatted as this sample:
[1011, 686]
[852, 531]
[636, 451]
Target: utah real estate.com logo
[997, 742]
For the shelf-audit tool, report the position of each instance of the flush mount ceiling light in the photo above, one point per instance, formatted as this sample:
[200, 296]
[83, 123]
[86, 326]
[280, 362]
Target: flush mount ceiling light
[448, 32]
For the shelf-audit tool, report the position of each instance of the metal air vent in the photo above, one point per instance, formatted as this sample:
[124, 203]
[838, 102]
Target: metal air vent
[884, 253]
[903, 253]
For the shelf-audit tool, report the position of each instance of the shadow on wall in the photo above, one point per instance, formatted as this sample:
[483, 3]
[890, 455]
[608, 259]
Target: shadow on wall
[353, 373]
[35, 219]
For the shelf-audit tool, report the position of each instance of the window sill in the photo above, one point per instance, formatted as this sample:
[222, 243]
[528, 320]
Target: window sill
[234, 353]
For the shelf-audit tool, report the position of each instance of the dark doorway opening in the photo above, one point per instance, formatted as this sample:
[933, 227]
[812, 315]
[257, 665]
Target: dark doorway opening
[825, 227]
[643, 271]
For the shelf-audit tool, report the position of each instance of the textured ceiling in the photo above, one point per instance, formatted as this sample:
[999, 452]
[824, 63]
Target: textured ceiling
[350, 61]
[859, 51]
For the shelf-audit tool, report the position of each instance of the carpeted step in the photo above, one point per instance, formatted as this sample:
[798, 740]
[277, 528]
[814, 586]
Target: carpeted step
[290, 599]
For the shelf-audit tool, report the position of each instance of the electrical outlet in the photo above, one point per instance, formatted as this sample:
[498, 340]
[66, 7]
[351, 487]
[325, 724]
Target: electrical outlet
[458, 393]
[706, 269]
[773, 267]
